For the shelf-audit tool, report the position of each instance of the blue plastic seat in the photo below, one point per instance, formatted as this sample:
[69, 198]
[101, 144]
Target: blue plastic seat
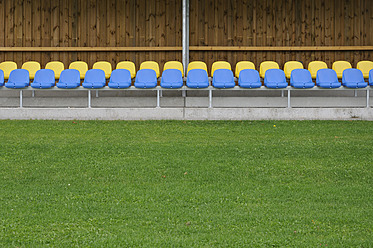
[1, 78]
[69, 79]
[301, 78]
[249, 78]
[275, 79]
[18, 79]
[223, 78]
[353, 78]
[146, 78]
[371, 77]
[172, 78]
[327, 78]
[94, 79]
[44, 79]
[120, 79]
[197, 78]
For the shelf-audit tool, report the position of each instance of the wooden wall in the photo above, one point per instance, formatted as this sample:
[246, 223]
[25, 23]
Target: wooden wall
[90, 23]
[274, 23]
[158, 23]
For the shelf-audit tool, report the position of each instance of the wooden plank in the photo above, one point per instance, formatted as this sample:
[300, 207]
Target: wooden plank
[111, 30]
[73, 19]
[357, 15]
[260, 7]
[329, 24]
[18, 32]
[45, 30]
[9, 29]
[101, 30]
[83, 28]
[64, 31]
[55, 29]
[140, 30]
[92, 29]
[170, 27]
[161, 34]
[120, 28]
[192, 48]
[318, 28]
[2, 28]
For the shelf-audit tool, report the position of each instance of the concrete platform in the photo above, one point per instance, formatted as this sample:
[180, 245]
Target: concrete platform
[187, 113]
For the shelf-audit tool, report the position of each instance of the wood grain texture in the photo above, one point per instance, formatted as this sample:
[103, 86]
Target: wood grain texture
[231, 30]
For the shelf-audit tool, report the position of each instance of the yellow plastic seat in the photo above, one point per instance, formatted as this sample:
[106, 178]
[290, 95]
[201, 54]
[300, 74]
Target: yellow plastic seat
[340, 66]
[197, 65]
[266, 65]
[105, 66]
[128, 65]
[32, 67]
[57, 67]
[365, 67]
[242, 65]
[7, 67]
[220, 65]
[151, 65]
[174, 65]
[290, 66]
[314, 66]
[81, 66]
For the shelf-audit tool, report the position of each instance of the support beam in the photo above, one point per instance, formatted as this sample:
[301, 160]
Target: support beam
[185, 34]
[20, 99]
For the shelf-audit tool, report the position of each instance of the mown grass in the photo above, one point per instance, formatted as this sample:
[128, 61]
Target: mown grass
[186, 184]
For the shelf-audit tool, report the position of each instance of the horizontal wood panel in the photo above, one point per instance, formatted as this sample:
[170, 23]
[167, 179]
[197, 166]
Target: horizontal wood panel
[192, 48]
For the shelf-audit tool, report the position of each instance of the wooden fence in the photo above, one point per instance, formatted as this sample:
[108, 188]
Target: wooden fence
[139, 30]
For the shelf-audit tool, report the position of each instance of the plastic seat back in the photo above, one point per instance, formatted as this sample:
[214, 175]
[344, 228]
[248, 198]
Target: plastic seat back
[128, 65]
[301, 78]
[44, 78]
[32, 67]
[172, 78]
[353, 78]
[290, 66]
[249, 78]
[7, 67]
[105, 66]
[327, 78]
[18, 79]
[371, 77]
[220, 65]
[174, 65]
[315, 66]
[120, 79]
[81, 66]
[151, 65]
[243, 65]
[69, 79]
[275, 78]
[197, 65]
[57, 67]
[94, 78]
[1, 78]
[365, 67]
[223, 78]
[197, 78]
[340, 66]
[146, 78]
[267, 65]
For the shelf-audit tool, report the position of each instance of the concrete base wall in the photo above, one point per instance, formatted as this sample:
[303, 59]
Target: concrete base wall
[188, 113]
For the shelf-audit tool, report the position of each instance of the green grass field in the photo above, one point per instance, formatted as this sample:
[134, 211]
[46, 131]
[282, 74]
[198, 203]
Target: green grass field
[186, 184]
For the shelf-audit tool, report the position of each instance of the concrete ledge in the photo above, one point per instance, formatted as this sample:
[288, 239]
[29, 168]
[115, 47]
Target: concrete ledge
[187, 113]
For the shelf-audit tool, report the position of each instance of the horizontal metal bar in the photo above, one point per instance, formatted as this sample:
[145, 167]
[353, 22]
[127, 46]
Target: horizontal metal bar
[106, 88]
